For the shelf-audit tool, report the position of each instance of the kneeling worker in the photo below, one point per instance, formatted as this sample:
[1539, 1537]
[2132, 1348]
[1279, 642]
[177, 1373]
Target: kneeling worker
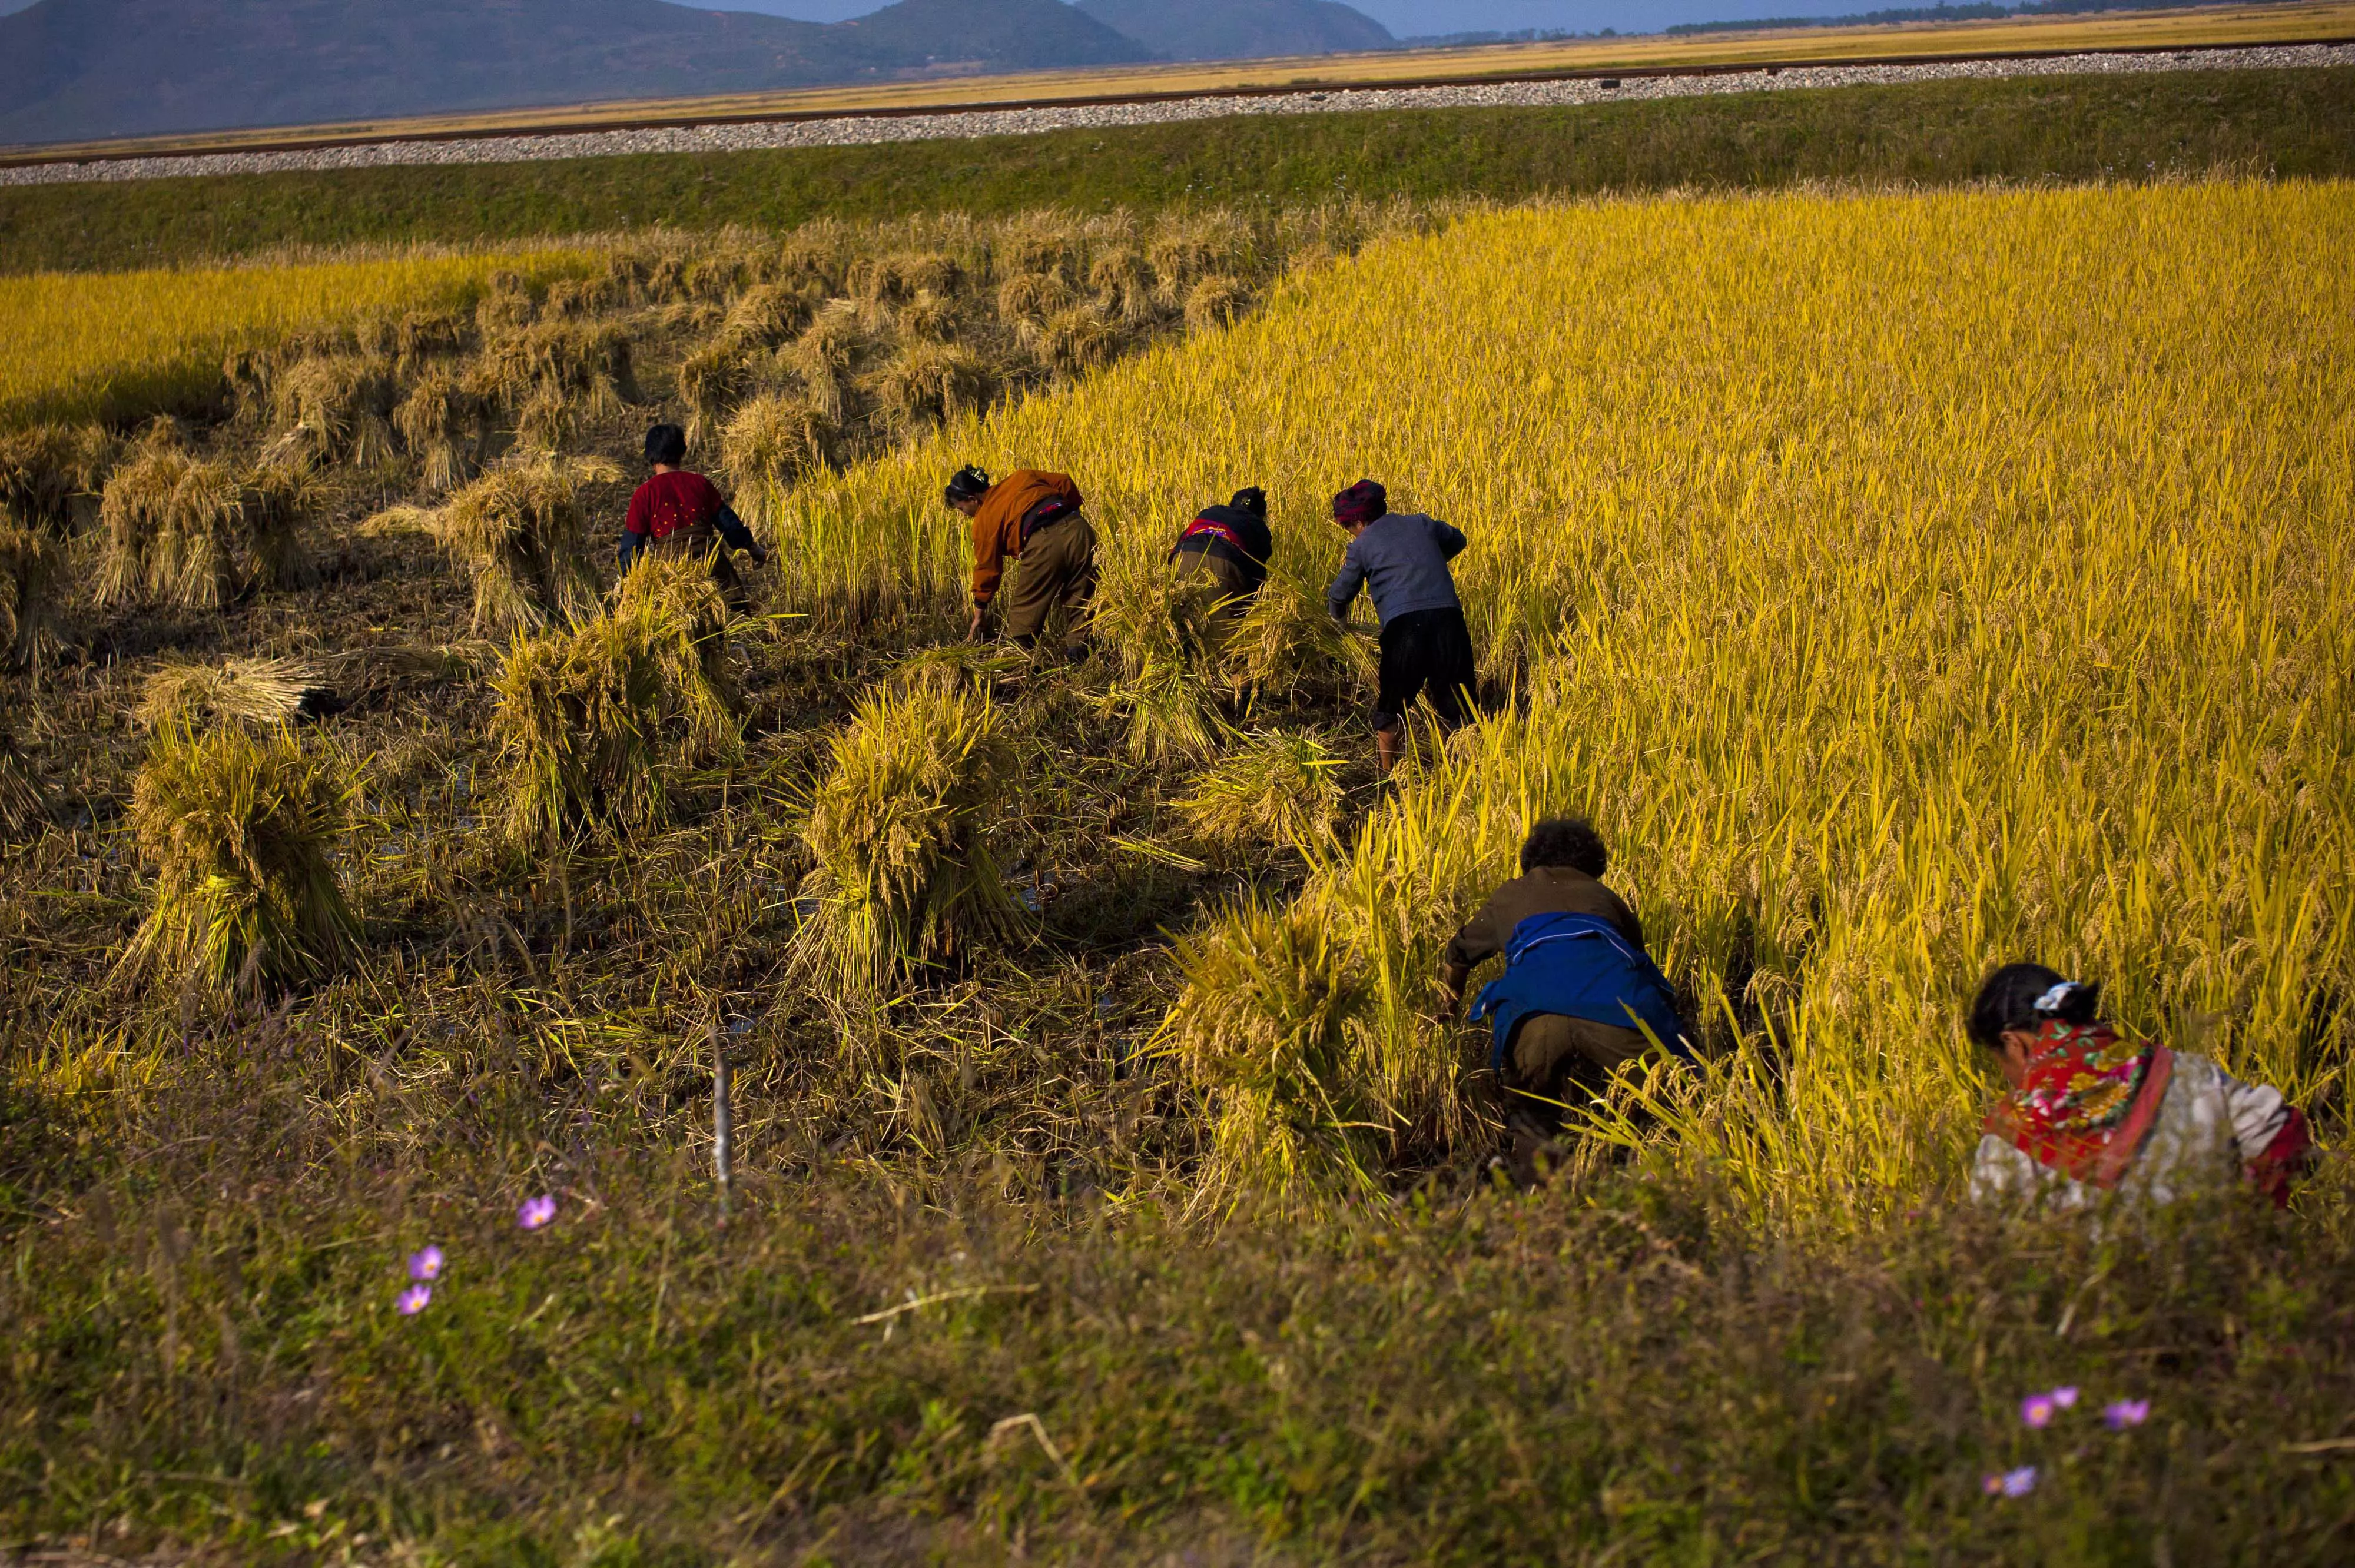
[1577, 982]
[677, 513]
[1032, 516]
[1222, 558]
[1400, 558]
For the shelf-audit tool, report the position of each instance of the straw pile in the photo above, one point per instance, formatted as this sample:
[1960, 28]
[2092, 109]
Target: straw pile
[236, 827]
[901, 829]
[521, 532]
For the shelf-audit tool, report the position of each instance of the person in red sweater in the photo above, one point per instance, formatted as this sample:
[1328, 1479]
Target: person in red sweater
[677, 513]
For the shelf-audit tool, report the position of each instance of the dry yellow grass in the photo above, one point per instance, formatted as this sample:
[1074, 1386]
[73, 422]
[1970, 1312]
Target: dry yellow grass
[1906, 583]
[86, 345]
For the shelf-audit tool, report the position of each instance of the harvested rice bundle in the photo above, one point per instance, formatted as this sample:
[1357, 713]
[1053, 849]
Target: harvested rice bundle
[336, 407]
[1075, 341]
[1189, 247]
[596, 722]
[1263, 1027]
[1139, 615]
[767, 315]
[821, 358]
[583, 363]
[577, 299]
[900, 833]
[444, 422]
[175, 529]
[1216, 301]
[1288, 644]
[1274, 789]
[929, 318]
[279, 497]
[713, 380]
[236, 691]
[44, 469]
[771, 443]
[506, 306]
[955, 668]
[1039, 242]
[521, 532]
[32, 571]
[897, 278]
[22, 802]
[926, 383]
[1123, 282]
[419, 335]
[1031, 298]
[236, 827]
[713, 276]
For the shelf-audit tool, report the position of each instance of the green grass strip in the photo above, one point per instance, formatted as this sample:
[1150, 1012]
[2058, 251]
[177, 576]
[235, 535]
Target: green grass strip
[2279, 123]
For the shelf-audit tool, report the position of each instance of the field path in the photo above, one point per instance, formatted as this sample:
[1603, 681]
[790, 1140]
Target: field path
[851, 129]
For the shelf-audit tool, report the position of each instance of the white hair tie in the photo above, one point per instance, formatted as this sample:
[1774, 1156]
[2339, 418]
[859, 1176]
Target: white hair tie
[2052, 1000]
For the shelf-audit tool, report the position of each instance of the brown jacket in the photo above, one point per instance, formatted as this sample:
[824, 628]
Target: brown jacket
[1548, 890]
[997, 527]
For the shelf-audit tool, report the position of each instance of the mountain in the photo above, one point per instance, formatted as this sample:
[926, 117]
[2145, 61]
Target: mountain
[1240, 29]
[81, 69]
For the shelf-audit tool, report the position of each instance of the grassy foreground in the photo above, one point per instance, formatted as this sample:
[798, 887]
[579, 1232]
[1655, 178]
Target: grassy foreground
[2292, 123]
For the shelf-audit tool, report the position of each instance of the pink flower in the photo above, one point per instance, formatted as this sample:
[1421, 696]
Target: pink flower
[426, 1265]
[2126, 1413]
[413, 1300]
[1991, 1483]
[2037, 1410]
[536, 1213]
[2065, 1396]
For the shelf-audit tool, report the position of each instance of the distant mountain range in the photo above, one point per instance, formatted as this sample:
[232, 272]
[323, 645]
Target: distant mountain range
[83, 69]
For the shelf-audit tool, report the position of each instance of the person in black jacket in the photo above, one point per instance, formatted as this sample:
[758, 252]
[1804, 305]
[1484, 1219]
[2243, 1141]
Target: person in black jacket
[1221, 560]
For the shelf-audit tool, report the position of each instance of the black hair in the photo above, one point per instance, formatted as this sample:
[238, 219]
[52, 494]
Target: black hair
[2026, 997]
[967, 483]
[1565, 841]
[666, 444]
[1250, 498]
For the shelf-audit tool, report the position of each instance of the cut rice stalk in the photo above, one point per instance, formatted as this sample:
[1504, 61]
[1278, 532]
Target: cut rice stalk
[521, 532]
[236, 691]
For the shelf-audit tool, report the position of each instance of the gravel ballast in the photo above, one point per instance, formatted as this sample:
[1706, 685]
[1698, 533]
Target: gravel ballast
[947, 125]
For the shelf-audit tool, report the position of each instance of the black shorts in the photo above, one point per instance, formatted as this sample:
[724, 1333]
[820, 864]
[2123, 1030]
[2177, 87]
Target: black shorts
[1426, 652]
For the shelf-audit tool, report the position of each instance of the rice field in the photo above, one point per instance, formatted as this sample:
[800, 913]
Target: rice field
[1904, 583]
[111, 344]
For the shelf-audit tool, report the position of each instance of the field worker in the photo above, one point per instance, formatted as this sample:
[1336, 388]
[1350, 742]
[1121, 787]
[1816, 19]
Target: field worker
[1577, 986]
[1222, 558]
[1400, 558]
[677, 513]
[1033, 516]
[2092, 1111]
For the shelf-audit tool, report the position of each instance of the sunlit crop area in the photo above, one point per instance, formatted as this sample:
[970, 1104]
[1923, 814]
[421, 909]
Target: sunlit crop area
[111, 344]
[1904, 583]
[1909, 583]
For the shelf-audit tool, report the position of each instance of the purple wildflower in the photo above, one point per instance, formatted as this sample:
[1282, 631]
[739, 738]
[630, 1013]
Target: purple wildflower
[426, 1265]
[2065, 1396]
[413, 1300]
[2124, 1413]
[536, 1213]
[2037, 1410]
[2018, 1483]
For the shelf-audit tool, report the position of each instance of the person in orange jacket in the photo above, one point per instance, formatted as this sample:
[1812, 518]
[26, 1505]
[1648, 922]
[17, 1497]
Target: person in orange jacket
[1032, 516]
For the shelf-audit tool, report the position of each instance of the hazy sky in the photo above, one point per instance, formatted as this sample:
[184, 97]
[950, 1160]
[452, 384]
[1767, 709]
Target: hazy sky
[1410, 17]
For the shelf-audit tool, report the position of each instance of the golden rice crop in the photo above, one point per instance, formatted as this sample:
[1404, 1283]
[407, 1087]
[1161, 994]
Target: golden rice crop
[1274, 790]
[1903, 583]
[769, 444]
[98, 345]
[174, 530]
[236, 827]
[337, 407]
[32, 573]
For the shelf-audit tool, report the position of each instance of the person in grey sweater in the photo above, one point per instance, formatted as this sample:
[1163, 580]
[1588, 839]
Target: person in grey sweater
[1401, 559]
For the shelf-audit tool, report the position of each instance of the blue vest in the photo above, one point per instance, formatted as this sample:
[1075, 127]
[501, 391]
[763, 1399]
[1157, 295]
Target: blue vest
[1580, 967]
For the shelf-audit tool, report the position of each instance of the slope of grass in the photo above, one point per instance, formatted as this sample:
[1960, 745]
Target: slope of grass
[2285, 122]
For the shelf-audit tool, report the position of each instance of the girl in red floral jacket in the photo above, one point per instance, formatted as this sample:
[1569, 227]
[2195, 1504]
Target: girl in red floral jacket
[2092, 1111]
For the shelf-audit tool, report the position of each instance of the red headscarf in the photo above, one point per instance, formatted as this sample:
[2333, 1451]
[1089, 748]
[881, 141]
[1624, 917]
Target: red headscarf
[2091, 1098]
[1361, 502]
